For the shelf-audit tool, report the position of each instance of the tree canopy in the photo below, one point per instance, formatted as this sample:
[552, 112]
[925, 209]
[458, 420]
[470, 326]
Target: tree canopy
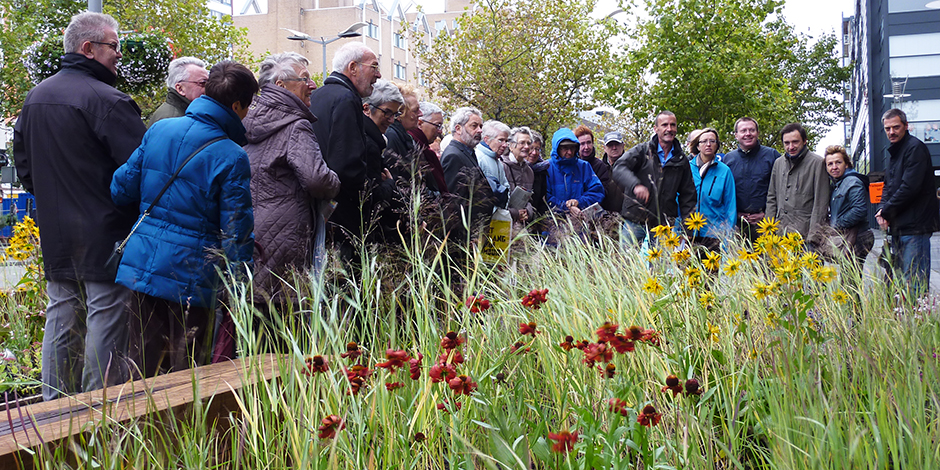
[713, 61]
[524, 62]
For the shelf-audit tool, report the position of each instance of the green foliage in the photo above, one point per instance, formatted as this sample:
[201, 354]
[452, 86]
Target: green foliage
[713, 61]
[523, 62]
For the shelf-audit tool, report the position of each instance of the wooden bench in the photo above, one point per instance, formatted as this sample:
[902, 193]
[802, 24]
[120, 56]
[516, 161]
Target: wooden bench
[48, 423]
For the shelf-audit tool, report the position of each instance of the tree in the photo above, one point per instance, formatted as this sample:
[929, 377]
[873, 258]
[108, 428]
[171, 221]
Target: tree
[713, 61]
[185, 22]
[523, 62]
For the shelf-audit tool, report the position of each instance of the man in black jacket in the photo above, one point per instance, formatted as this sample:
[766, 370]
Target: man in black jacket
[340, 132]
[909, 209]
[465, 180]
[657, 181]
[74, 131]
[751, 165]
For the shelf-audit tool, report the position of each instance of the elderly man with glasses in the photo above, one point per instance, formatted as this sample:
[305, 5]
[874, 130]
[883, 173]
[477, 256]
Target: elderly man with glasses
[185, 81]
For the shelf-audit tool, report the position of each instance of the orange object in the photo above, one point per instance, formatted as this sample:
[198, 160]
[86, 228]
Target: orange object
[875, 190]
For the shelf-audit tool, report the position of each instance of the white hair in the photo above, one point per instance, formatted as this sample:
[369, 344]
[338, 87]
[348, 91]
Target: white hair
[87, 26]
[280, 66]
[384, 91]
[462, 115]
[536, 137]
[492, 128]
[179, 70]
[428, 108]
[350, 52]
[519, 130]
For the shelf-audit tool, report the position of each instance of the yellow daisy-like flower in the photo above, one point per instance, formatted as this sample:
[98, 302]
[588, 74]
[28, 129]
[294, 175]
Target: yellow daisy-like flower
[823, 273]
[707, 299]
[712, 261]
[654, 254]
[695, 221]
[653, 286]
[767, 225]
[670, 241]
[761, 290]
[732, 267]
[661, 231]
[681, 255]
[771, 318]
[788, 271]
[793, 242]
[840, 297]
[768, 243]
[746, 255]
[714, 332]
[693, 272]
[810, 260]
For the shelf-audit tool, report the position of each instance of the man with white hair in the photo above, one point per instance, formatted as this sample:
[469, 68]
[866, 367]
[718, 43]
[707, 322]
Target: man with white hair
[340, 131]
[185, 81]
[462, 172]
[489, 153]
[74, 131]
[429, 129]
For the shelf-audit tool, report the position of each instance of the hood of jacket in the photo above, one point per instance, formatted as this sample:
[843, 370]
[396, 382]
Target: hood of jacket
[561, 135]
[80, 63]
[273, 110]
[209, 110]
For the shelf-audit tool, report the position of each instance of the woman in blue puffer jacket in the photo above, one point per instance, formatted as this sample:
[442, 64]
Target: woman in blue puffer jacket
[714, 185]
[170, 260]
[848, 203]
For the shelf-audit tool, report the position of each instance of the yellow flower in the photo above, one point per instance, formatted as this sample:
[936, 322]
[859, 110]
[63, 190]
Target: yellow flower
[732, 267]
[661, 231]
[712, 261]
[654, 254]
[693, 276]
[788, 271]
[748, 255]
[810, 260]
[681, 255]
[695, 221]
[793, 241]
[768, 243]
[707, 299]
[823, 273]
[840, 296]
[767, 225]
[652, 286]
[771, 319]
[714, 332]
[670, 241]
[762, 290]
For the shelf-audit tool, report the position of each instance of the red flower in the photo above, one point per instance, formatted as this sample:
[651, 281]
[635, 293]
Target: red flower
[396, 359]
[356, 376]
[451, 357]
[622, 344]
[443, 406]
[535, 298]
[478, 304]
[462, 385]
[451, 341]
[441, 372]
[567, 344]
[692, 387]
[329, 426]
[315, 365]
[672, 384]
[651, 337]
[597, 352]
[420, 437]
[634, 333]
[610, 371]
[581, 345]
[528, 329]
[414, 367]
[649, 417]
[352, 351]
[565, 441]
[518, 347]
[618, 406]
[607, 331]
[393, 385]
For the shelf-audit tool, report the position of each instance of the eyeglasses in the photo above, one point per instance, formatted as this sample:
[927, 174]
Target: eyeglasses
[115, 46]
[573, 148]
[438, 126]
[200, 83]
[387, 112]
[374, 66]
[306, 80]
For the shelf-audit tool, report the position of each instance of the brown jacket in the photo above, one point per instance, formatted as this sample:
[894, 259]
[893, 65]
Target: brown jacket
[289, 179]
[519, 174]
[798, 196]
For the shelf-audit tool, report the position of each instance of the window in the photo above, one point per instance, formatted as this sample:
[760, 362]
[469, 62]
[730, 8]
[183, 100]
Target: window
[440, 26]
[914, 55]
[400, 72]
[399, 41]
[421, 79]
[898, 6]
[372, 30]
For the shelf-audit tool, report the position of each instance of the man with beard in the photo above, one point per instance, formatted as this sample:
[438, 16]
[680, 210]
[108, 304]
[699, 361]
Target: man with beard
[462, 173]
[798, 196]
[657, 181]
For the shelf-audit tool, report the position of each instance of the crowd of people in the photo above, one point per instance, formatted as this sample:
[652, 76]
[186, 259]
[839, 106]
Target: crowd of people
[259, 173]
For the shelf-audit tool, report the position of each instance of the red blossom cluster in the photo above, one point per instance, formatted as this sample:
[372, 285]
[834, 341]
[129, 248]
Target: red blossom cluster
[352, 351]
[649, 417]
[357, 376]
[315, 364]
[564, 441]
[528, 329]
[329, 426]
[395, 359]
[618, 406]
[445, 369]
[691, 388]
[608, 341]
[477, 304]
[535, 298]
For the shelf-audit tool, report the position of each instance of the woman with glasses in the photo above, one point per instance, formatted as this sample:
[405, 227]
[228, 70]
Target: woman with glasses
[381, 108]
[714, 186]
[290, 182]
[430, 126]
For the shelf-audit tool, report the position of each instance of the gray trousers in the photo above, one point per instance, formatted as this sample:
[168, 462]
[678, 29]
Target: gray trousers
[85, 341]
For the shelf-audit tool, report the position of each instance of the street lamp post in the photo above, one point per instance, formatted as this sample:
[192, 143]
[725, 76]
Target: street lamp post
[350, 32]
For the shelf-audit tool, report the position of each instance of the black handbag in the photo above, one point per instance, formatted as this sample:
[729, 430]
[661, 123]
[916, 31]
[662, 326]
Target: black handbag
[114, 261]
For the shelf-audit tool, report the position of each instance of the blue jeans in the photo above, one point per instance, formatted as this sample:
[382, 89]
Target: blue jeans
[912, 257]
[632, 234]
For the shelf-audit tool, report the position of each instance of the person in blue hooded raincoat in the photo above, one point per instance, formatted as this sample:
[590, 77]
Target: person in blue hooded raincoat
[571, 183]
[170, 260]
[714, 187]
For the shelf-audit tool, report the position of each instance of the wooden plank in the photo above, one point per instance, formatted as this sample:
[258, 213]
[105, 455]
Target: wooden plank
[49, 422]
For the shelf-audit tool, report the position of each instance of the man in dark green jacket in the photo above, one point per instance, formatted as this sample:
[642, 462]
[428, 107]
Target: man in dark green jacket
[185, 81]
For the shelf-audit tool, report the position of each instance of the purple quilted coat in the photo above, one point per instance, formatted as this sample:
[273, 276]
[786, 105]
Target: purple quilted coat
[289, 181]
